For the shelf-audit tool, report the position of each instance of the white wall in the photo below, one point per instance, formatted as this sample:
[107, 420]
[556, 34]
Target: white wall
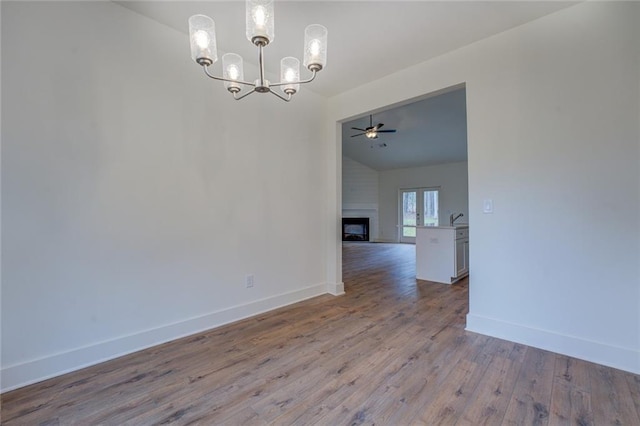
[360, 193]
[553, 139]
[135, 194]
[451, 178]
[359, 184]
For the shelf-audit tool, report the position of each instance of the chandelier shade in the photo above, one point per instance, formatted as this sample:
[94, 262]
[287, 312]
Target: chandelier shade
[290, 73]
[260, 21]
[315, 46]
[232, 70]
[260, 32]
[202, 35]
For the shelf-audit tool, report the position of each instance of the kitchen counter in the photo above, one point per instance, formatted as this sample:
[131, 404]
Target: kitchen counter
[442, 253]
[455, 226]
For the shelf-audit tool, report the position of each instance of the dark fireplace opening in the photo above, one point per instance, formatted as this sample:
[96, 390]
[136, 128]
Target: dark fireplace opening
[355, 229]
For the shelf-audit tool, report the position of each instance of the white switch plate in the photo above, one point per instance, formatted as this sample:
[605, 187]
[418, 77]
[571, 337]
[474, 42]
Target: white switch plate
[487, 206]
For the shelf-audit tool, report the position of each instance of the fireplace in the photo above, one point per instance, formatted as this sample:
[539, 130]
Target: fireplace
[355, 229]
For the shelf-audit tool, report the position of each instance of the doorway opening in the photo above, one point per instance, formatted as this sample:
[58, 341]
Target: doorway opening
[412, 177]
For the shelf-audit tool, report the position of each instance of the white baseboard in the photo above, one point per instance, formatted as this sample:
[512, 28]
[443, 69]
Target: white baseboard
[336, 289]
[23, 374]
[617, 357]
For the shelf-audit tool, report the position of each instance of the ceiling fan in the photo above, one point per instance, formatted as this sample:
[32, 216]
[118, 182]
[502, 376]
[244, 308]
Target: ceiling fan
[372, 131]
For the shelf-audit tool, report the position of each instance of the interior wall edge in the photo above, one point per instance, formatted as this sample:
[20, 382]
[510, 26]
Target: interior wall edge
[33, 371]
[335, 289]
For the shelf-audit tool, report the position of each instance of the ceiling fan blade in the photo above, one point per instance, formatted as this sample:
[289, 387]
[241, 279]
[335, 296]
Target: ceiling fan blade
[387, 131]
[359, 134]
[379, 125]
[357, 128]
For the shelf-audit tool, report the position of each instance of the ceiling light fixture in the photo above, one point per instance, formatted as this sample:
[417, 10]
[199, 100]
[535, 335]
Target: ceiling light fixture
[372, 131]
[260, 31]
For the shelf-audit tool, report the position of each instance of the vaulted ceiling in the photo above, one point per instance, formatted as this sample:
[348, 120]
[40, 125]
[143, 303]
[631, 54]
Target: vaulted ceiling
[430, 131]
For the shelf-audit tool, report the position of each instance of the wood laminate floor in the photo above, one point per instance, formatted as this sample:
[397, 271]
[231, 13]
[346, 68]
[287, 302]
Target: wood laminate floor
[392, 351]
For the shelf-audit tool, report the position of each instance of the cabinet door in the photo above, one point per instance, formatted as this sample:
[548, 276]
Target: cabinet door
[461, 259]
[466, 256]
[462, 256]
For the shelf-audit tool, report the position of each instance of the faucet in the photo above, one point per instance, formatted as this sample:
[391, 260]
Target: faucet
[454, 218]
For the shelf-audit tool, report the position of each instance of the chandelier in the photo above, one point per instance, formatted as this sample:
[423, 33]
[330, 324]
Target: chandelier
[260, 32]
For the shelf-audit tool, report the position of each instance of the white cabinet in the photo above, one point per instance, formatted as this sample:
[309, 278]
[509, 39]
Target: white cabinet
[462, 252]
[442, 253]
[460, 260]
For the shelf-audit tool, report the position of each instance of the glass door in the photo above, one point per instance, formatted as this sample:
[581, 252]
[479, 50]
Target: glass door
[409, 215]
[418, 207]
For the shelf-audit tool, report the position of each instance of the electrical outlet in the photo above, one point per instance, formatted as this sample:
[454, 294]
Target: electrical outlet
[248, 280]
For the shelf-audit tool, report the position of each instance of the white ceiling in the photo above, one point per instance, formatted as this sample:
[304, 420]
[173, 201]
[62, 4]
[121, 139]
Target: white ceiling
[369, 40]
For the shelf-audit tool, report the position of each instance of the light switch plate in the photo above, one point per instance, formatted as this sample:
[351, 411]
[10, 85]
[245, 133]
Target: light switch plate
[487, 206]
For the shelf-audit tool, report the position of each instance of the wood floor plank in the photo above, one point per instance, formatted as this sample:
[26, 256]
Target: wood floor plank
[392, 351]
[418, 391]
[633, 381]
[404, 379]
[452, 397]
[570, 405]
[388, 353]
[611, 389]
[571, 397]
[573, 372]
[531, 396]
[489, 401]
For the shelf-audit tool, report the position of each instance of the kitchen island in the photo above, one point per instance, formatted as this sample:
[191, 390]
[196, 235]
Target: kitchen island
[442, 253]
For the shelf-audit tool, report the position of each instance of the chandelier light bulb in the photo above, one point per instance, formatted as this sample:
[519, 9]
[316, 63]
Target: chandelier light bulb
[233, 72]
[314, 48]
[289, 75]
[202, 39]
[259, 17]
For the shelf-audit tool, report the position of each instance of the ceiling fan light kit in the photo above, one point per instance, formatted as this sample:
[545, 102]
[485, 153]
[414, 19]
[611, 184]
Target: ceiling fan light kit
[372, 131]
[260, 32]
